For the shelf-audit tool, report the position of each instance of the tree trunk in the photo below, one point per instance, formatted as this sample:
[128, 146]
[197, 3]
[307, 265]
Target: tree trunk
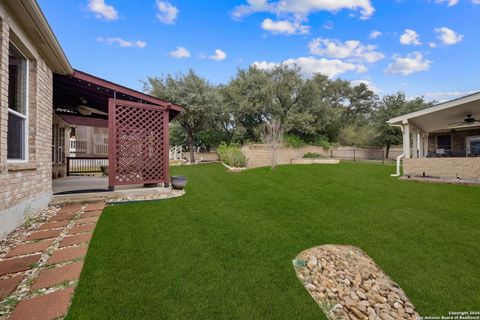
[388, 151]
[190, 148]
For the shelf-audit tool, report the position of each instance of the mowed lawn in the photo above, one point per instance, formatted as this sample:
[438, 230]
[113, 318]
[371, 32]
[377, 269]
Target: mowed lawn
[224, 250]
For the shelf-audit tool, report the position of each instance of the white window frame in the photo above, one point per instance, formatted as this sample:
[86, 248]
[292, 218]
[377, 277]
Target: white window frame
[467, 143]
[25, 116]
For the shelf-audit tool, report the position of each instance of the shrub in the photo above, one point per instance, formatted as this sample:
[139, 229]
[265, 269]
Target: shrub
[312, 155]
[292, 140]
[322, 141]
[231, 155]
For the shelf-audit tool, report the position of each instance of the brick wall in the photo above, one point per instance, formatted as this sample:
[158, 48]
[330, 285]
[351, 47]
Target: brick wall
[448, 168]
[25, 186]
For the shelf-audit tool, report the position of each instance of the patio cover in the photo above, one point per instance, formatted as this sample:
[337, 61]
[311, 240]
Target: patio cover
[441, 116]
[69, 90]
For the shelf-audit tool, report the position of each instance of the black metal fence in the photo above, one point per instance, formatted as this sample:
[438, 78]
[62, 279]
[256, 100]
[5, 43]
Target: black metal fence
[85, 164]
[364, 154]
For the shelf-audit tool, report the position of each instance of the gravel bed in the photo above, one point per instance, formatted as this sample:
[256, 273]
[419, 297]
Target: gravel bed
[347, 284]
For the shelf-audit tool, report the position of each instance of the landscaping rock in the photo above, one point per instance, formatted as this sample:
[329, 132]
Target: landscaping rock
[347, 284]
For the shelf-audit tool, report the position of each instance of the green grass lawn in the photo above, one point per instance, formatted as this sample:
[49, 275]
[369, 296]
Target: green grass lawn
[224, 250]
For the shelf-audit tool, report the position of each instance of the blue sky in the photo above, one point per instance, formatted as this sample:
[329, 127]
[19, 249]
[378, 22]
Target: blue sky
[422, 47]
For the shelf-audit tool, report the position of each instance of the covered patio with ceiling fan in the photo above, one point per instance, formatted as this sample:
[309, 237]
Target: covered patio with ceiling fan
[137, 132]
[442, 141]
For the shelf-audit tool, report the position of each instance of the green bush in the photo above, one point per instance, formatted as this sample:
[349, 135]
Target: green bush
[292, 140]
[312, 155]
[322, 141]
[231, 155]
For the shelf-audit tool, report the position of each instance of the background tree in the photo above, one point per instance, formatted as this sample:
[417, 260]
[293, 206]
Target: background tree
[392, 106]
[273, 138]
[200, 100]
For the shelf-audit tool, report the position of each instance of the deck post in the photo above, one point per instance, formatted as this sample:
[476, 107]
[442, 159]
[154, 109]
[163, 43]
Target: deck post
[406, 139]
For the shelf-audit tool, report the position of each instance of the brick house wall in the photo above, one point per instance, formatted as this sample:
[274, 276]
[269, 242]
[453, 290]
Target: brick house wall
[25, 187]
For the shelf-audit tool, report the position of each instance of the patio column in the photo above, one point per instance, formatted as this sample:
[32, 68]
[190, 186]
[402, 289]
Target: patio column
[406, 140]
[421, 152]
[415, 142]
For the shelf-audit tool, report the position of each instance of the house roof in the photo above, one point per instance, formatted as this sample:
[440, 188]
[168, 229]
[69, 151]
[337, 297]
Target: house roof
[442, 116]
[70, 90]
[84, 121]
[32, 19]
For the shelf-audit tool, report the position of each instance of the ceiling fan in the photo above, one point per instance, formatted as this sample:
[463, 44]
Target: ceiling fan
[469, 120]
[85, 110]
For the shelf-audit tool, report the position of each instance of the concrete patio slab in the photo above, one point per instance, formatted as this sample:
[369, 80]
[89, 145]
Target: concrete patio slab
[47, 307]
[50, 277]
[8, 285]
[29, 248]
[64, 255]
[17, 264]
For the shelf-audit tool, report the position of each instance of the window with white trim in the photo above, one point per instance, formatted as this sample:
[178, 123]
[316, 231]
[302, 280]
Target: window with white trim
[17, 134]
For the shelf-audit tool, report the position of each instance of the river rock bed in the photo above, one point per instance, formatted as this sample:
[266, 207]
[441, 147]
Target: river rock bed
[347, 284]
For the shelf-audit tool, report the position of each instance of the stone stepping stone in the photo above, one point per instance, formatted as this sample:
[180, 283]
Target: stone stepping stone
[77, 239]
[94, 206]
[50, 277]
[70, 208]
[91, 214]
[64, 255]
[62, 217]
[87, 220]
[82, 228]
[53, 225]
[44, 234]
[47, 307]
[18, 264]
[8, 285]
[29, 248]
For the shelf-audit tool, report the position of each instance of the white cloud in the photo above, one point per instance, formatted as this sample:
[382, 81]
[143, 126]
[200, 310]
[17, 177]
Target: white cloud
[303, 8]
[413, 62]
[180, 52]
[122, 43]
[218, 56]
[432, 44]
[329, 24]
[167, 13]
[102, 10]
[448, 36]
[450, 3]
[410, 37]
[374, 34]
[312, 65]
[445, 96]
[368, 83]
[285, 27]
[351, 50]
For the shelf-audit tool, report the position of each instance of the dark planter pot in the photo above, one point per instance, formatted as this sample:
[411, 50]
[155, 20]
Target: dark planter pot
[179, 182]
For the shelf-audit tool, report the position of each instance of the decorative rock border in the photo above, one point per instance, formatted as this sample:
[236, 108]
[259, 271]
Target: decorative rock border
[347, 284]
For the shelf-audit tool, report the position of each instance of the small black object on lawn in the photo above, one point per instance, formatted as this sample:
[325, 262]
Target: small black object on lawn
[179, 182]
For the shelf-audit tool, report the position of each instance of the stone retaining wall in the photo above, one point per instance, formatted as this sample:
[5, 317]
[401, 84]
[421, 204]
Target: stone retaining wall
[446, 168]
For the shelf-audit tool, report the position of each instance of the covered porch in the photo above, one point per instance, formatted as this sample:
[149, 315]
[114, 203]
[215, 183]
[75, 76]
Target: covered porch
[442, 141]
[131, 127]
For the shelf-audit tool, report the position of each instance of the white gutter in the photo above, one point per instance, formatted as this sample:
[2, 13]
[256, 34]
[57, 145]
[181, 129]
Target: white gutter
[399, 158]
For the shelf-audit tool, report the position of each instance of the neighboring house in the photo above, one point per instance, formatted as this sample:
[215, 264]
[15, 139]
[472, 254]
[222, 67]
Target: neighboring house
[442, 141]
[36, 80]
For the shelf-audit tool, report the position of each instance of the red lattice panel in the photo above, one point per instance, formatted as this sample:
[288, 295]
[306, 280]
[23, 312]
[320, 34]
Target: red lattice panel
[139, 152]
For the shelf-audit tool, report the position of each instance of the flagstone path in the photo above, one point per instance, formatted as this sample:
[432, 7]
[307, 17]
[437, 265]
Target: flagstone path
[38, 274]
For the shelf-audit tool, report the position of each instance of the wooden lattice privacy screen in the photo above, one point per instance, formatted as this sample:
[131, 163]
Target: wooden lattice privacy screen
[138, 143]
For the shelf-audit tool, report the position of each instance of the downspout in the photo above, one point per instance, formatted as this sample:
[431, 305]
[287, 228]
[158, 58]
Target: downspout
[399, 158]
